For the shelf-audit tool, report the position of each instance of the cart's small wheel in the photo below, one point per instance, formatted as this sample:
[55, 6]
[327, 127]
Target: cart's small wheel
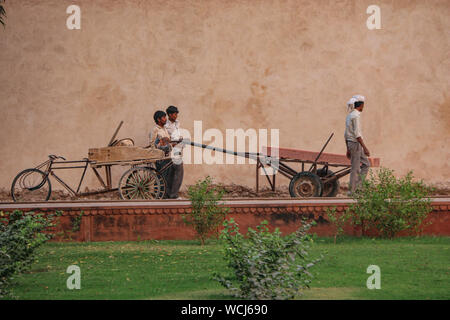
[305, 184]
[141, 183]
[31, 185]
[331, 188]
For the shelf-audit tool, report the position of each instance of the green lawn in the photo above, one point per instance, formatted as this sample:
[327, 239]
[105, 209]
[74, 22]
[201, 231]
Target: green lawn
[410, 269]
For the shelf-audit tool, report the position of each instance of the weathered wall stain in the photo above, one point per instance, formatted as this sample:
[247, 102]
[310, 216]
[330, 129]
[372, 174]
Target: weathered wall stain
[290, 65]
[292, 217]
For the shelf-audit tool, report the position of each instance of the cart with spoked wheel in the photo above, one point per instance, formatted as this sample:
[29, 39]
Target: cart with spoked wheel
[141, 181]
[316, 181]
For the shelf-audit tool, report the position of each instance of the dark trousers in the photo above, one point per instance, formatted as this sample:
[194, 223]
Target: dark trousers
[166, 174]
[173, 176]
[176, 178]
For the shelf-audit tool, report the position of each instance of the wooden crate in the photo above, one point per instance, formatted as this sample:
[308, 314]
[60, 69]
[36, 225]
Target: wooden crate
[123, 154]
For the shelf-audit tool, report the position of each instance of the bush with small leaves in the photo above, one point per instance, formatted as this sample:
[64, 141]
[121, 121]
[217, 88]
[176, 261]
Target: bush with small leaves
[264, 264]
[338, 220]
[390, 205]
[206, 215]
[20, 235]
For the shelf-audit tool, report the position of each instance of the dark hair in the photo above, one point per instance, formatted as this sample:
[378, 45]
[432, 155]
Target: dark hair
[358, 103]
[172, 109]
[158, 115]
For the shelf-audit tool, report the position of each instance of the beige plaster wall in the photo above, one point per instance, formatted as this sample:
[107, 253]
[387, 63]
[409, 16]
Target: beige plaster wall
[290, 65]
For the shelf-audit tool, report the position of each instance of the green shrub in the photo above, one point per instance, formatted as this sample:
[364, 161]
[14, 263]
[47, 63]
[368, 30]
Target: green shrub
[206, 215]
[266, 265]
[338, 220]
[20, 235]
[76, 226]
[389, 204]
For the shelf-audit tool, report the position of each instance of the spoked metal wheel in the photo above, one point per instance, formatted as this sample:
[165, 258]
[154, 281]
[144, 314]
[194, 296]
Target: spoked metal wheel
[31, 185]
[331, 188]
[305, 184]
[141, 183]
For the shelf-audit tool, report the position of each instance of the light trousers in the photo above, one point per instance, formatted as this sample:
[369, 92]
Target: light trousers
[360, 165]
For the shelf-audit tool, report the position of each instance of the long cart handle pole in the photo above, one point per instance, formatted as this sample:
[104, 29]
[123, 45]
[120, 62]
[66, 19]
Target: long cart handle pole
[323, 148]
[314, 165]
[250, 155]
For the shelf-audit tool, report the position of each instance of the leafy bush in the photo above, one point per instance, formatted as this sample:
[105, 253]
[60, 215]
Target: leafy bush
[76, 226]
[206, 215]
[390, 205]
[20, 235]
[338, 220]
[266, 265]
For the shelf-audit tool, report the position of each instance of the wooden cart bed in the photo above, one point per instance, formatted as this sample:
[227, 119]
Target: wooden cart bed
[332, 159]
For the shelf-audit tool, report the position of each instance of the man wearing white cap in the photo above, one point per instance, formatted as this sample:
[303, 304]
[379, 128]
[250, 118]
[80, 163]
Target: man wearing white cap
[357, 151]
[176, 175]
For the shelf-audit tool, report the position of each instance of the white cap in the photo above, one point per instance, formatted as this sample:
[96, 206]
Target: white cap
[351, 104]
[359, 98]
[352, 101]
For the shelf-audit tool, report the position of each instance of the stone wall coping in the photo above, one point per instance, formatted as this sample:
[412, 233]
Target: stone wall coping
[182, 206]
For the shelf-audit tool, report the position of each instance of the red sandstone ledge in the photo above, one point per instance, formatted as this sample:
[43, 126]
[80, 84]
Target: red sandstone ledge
[162, 220]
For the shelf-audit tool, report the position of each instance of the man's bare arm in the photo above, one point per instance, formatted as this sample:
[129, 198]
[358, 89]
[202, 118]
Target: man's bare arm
[366, 151]
[348, 150]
